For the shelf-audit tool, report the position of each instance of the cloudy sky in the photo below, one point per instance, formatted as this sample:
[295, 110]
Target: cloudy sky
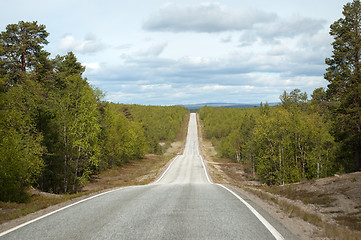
[180, 52]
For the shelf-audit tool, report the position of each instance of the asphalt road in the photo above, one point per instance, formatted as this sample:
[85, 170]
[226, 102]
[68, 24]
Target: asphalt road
[182, 204]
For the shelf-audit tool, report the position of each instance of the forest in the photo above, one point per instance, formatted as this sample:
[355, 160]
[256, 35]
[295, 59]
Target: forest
[279, 144]
[301, 138]
[55, 129]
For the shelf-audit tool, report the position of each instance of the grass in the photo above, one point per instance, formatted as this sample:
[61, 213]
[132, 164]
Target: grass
[290, 209]
[347, 227]
[137, 172]
[333, 231]
[307, 197]
[11, 210]
[351, 220]
[329, 230]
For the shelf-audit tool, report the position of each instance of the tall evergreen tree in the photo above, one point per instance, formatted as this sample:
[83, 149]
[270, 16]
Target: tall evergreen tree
[21, 47]
[344, 75]
[20, 141]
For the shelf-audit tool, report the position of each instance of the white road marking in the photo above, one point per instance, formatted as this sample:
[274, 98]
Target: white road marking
[165, 170]
[270, 228]
[273, 231]
[205, 170]
[60, 209]
[86, 199]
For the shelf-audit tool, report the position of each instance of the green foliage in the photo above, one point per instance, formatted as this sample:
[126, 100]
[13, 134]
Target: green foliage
[21, 46]
[282, 144]
[55, 130]
[229, 129]
[20, 144]
[71, 128]
[123, 140]
[344, 75]
[160, 124]
[21, 147]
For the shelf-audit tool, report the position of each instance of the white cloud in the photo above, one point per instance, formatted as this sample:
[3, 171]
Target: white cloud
[67, 42]
[124, 46]
[172, 51]
[275, 55]
[291, 27]
[213, 17]
[238, 76]
[226, 39]
[196, 61]
[156, 87]
[92, 68]
[287, 28]
[153, 51]
[205, 17]
[279, 50]
[90, 44]
[214, 87]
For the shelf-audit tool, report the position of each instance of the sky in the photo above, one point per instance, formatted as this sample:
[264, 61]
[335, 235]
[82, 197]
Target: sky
[183, 52]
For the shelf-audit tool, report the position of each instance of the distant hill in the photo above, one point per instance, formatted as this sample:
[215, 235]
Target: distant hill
[194, 107]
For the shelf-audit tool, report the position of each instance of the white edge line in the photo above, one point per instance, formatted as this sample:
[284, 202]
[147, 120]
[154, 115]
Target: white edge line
[205, 170]
[60, 209]
[165, 170]
[270, 228]
[70, 205]
[274, 232]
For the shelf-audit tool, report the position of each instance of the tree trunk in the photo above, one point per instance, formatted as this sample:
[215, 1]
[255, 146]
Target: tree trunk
[238, 156]
[76, 169]
[23, 62]
[280, 165]
[65, 161]
[357, 160]
[253, 170]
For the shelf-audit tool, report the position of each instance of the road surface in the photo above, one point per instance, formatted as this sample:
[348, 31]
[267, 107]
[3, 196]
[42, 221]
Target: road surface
[182, 204]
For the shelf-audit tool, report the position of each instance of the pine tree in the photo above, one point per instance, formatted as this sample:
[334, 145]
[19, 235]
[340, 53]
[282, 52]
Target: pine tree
[21, 47]
[344, 75]
[21, 162]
